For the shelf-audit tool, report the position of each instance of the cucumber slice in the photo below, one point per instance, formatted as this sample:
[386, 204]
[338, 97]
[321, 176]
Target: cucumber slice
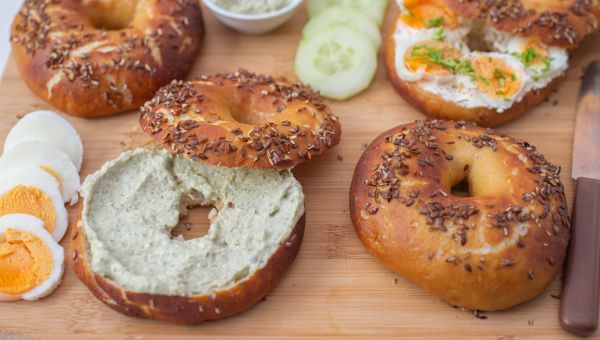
[339, 62]
[375, 9]
[335, 16]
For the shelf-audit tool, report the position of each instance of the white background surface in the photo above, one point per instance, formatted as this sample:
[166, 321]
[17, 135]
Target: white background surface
[8, 9]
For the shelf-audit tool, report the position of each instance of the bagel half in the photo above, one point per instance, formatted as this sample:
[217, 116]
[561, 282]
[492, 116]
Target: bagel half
[123, 251]
[560, 23]
[241, 119]
[184, 309]
[436, 106]
[100, 57]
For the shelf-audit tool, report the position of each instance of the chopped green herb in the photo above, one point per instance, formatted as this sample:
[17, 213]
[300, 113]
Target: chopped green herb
[530, 55]
[498, 74]
[436, 56]
[437, 22]
[438, 35]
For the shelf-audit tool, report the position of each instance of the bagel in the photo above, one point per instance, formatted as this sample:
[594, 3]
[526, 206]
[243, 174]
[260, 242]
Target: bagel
[459, 66]
[122, 251]
[241, 119]
[500, 246]
[559, 23]
[94, 58]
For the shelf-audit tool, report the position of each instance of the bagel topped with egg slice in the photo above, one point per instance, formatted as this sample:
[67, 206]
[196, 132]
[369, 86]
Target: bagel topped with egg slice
[462, 60]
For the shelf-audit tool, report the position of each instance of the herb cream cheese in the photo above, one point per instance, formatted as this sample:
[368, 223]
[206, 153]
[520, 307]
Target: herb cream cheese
[251, 6]
[132, 203]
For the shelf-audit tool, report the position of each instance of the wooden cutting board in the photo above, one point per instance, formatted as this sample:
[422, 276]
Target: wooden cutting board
[335, 287]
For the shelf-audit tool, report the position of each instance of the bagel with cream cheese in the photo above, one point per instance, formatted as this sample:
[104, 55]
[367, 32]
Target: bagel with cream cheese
[122, 250]
[498, 245]
[94, 58]
[241, 119]
[482, 61]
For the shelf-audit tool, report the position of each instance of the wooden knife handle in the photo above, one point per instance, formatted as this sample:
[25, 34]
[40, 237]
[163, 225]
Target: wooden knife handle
[579, 298]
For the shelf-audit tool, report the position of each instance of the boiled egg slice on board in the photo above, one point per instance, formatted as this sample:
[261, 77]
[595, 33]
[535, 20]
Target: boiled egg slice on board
[33, 191]
[51, 128]
[49, 159]
[31, 261]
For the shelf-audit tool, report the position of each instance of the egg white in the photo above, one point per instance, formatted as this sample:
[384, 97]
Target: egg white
[51, 128]
[35, 226]
[33, 176]
[41, 154]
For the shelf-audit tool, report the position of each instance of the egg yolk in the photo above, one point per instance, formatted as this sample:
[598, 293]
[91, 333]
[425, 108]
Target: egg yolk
[533, 54]
[25, 262]
[428, 13]
[29, 200]
[434, 57]
[495, 77]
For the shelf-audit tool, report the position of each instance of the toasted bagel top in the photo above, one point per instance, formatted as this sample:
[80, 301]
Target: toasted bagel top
[241, 119]
[558, 23]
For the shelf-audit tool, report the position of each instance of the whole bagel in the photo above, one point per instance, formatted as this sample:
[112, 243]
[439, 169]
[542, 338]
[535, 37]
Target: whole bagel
[241, 119]
[501, 245]
[525, 43]
[94, 58]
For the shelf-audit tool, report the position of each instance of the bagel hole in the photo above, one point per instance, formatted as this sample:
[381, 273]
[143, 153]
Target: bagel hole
[194, 222]
[476, 40]
[462, 189]
[110, 15]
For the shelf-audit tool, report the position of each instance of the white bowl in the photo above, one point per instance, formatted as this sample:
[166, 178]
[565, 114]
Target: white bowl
[253, 23]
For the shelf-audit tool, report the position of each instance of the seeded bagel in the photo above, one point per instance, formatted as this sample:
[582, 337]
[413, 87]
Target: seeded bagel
[94, 58]
[499, 246]
[241, 119]
[437, 107]
[122, 251]
[452, 64]
[561, 23]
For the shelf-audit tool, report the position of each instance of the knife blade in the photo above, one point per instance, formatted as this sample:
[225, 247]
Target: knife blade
[579, 299]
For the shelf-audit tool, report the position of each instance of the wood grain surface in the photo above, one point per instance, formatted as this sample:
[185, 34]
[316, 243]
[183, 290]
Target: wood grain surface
[335, 287]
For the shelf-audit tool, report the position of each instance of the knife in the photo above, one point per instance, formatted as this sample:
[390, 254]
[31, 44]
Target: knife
[579, 299]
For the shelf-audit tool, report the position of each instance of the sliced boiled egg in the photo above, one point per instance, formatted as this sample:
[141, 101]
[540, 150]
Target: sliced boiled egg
[31, 261]
[421, 58]
[542, 62]
[33, 191]
[48, 158]
[500, 78]
[421, 14]
[51, 128]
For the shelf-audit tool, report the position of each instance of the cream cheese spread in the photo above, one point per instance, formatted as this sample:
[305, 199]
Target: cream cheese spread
[132, 203]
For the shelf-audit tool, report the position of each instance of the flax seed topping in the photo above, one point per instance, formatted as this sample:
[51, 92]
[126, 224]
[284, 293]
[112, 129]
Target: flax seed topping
[241, 119]
[512, 220]
[557, 23]
[84, 69]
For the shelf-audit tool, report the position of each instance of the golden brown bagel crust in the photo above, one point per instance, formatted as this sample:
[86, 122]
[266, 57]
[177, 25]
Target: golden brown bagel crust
[184, 309]
[498, 248]
[435, 106]
[559, 23]
[89, 72]
[241, 119]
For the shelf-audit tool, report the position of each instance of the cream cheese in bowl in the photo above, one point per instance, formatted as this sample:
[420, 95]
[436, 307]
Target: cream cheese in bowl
[252, 6]
[253, 16]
